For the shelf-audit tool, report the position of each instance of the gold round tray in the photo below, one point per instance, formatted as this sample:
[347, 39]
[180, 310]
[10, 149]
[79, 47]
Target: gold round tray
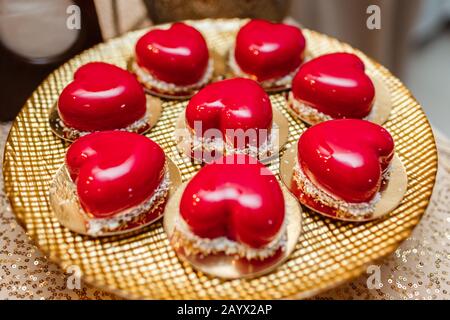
[145, 265]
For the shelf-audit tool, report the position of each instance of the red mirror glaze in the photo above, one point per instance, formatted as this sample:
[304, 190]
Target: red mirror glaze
[178, 55]
[231, 104]
[101, 97]
[234, 200]
[114, 170]
[346, 157]
[269, 50]
[335, 84]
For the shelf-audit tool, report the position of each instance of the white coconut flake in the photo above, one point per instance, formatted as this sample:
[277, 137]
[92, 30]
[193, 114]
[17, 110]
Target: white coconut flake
[96, 226]
[227, 246]
[72, 133]
[314, 116]
[208, 145]
[310, 114]
[354, 209]
[166, 87]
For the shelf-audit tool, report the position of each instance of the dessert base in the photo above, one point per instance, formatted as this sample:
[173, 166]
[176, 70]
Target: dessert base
[307, 188]
[143, 125]
[194, 245]
[169, 90]
[233, 266]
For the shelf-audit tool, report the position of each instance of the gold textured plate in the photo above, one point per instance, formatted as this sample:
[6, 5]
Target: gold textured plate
[231, 267]
[145, 265]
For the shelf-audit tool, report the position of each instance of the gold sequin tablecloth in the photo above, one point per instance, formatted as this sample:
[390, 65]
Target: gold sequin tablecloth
[418, 269]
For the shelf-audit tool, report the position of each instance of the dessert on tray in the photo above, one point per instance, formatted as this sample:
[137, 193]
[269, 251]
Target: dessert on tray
[267, 52]
[335, 86]
[233, 219]
[102, 97]
[112, 182]
[235, 208]
[232, 116]
[346, 169]
[173, 62]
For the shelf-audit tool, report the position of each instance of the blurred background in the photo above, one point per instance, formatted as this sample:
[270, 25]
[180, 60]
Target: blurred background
[413, 41]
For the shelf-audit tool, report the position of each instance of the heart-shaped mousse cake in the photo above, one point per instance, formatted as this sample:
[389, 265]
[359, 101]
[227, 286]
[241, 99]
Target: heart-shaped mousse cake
[101, 97]
[231, 205]
[343, 162]
[233, 106]
[115, 171]
[268, 51]
[177, 55]
[333, 86]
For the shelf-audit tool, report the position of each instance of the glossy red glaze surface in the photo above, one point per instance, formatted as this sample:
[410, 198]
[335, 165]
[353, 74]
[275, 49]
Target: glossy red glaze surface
[231, 104]
[269, 50]
[346, 157]
[101, 97]
[238, 198]
[335, 84]
[114, 170]
[178, 55]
